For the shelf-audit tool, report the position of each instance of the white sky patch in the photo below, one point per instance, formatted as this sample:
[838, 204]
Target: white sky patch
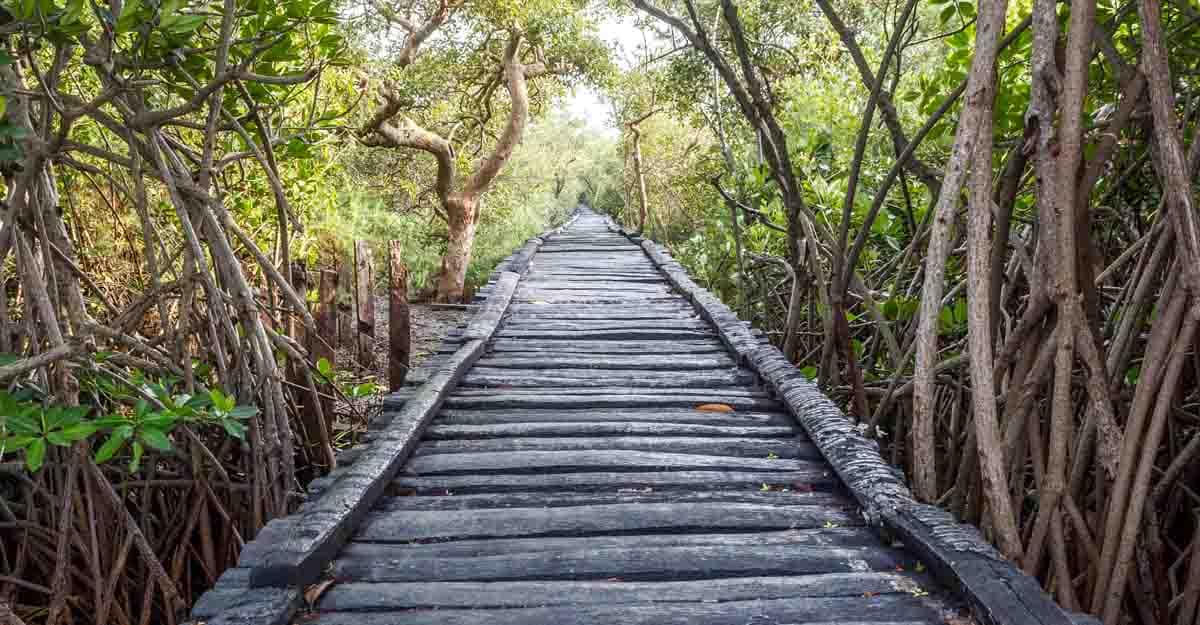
[588, 104]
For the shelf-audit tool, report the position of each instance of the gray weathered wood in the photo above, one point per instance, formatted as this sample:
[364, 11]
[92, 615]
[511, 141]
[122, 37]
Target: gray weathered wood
[651, 363]
[534, 378]
[402, 595]
[585, 482]
[617, 428]
[552, 499]
[887, 609]
[487, 318]
[712, 446]
[661, 415]
[590, 460]
[638, 563]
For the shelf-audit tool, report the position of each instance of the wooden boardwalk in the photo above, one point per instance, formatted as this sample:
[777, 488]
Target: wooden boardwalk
[607, 460]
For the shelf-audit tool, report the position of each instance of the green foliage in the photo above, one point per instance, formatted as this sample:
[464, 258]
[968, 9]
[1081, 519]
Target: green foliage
[559, 161]
[140, 413]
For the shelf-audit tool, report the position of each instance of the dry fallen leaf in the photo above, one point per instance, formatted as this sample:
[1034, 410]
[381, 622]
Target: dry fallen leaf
[313, 593]
[714, 408]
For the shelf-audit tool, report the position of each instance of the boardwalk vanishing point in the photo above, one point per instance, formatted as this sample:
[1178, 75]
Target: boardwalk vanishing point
[605, 443]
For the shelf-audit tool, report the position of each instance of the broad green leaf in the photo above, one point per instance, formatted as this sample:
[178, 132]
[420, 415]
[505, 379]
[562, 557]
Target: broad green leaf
[128, 18]
[156, 439]
[135, 461]
[35, 454]
[234, 428]
[109, 448]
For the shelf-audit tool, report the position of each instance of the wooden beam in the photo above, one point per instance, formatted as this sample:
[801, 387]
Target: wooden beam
[399, 332]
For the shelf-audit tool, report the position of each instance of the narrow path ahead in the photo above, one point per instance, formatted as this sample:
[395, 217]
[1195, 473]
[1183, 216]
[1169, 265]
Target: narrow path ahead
[607, 461]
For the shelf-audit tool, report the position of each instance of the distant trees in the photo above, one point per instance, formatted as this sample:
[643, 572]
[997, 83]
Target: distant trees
[506, 47]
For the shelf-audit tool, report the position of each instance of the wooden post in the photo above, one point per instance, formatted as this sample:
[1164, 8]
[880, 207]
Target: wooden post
[323, 343]
[300, 334]
[399, 335]
[347, 322]
[364, 300]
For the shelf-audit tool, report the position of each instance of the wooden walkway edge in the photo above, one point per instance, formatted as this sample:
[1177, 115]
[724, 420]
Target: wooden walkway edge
[555, 463]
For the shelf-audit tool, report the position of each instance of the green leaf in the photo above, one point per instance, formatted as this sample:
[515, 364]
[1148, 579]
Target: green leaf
[15, 443]
[35, 454]
[221, 401]
[947, 13]
[57, 438]
[25, 422]
[135, 462]
[156, 439]
[128, 17]
[234, 428]
[110, 446]
[325, 368]
[185, 24]
[79, 431]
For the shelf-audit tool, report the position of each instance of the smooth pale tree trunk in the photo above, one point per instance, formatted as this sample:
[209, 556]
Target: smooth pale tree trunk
[463, 217]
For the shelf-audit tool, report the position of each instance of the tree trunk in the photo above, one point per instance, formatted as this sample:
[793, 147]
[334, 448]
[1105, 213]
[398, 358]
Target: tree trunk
[399, 334]
[641, 178]
[461, 210]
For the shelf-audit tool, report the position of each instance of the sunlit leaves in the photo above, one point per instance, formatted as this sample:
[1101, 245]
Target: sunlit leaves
[151, 414]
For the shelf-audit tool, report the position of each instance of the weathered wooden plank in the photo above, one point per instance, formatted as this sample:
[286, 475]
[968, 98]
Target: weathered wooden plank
[599, 316]
[595, 286]
[554, 499]
[585, 482]
[515, 347]
[883, 609]
[849, 536]
[413, 525]
[409, 595]
[592, 325]
[601, 459]
[675, 306]
[711, 446]
[643, 277]
[612, 428]
[595, 299]
[610, 335]
[703, 395]
[550, 378]
[662, 415]
[379, 563]
[511, 398]
[587, 361]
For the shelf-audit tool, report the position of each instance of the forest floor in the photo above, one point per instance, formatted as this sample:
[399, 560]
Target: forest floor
[428, 325]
